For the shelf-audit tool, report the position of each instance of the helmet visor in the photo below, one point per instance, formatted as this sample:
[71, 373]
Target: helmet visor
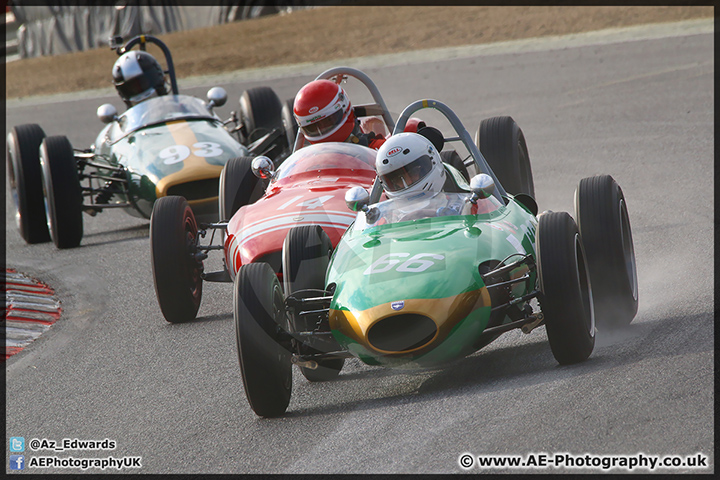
[409, 175]
[134, 86]
[324, 126]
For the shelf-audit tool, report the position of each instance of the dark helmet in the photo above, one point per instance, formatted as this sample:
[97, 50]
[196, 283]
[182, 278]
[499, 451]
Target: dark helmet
[137, 76]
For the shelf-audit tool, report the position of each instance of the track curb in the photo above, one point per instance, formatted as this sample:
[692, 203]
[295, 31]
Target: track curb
[30, 309]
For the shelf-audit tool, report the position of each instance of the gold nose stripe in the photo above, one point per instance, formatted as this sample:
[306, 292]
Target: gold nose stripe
[445, 312]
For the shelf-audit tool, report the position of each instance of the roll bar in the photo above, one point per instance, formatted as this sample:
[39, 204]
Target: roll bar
[368, 110]
[463, 136]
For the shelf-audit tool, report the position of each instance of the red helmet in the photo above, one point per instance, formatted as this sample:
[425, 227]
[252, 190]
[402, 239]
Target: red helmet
[323, 112]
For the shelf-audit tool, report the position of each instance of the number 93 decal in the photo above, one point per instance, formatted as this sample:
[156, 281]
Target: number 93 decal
[177, 153]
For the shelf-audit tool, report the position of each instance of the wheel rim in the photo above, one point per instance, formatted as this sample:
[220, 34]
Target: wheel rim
[628, 249]
[47, 193]
[193, 266]
[584, 284]
[524, 159]
[278, 305]
[13, 184]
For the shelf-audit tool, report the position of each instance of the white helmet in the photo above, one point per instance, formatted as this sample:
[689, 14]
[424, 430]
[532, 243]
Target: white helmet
[409, 163]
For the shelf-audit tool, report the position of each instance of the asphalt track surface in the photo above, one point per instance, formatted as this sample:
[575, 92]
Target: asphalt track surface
[640, 110]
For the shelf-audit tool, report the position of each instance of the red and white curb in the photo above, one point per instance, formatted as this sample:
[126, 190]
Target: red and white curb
[31, 307]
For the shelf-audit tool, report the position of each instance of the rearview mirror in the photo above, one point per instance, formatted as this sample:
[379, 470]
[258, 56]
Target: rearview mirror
[217, 96]
[263, 167]
[357, 198]
[481, 186]
[107, 113]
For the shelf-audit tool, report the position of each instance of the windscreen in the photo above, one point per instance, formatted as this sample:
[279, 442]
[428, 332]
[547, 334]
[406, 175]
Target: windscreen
[327, 156]
[421, 206]
[163, 109]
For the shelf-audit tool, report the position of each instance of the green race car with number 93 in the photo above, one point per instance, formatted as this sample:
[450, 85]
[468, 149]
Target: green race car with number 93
[171, 144]
[425, 281]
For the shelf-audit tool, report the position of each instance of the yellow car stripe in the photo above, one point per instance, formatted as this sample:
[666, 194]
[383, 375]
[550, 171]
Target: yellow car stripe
[193, 168]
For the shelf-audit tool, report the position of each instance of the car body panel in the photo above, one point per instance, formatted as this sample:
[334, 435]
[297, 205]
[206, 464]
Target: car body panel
[426, 267]
[308, 189]
[180, 153]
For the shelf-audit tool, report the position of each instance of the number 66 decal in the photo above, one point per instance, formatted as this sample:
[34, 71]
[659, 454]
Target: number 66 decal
[177, 153]
[416, 264]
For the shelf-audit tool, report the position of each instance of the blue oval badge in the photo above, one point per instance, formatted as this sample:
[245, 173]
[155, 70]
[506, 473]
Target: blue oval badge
[398, 305]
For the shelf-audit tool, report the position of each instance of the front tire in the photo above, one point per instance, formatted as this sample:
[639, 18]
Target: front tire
[604, 225]
[238, 187]
[566, 298]
[306, 255]
[259, 315]
[176, 273]
[26, 185]
[502, 143]
[62, 192]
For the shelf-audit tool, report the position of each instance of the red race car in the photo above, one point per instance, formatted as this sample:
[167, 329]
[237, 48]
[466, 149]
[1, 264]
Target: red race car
[308, 188]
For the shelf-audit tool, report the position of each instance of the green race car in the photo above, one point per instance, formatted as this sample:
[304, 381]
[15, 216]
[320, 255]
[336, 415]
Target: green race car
[426, 281]
[168, 145]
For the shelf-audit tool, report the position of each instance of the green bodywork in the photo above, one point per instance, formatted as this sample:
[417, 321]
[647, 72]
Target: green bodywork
[139, 153]
[366, 277]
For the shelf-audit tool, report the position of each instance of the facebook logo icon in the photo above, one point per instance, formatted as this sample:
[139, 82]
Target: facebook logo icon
[17, 444]
[17, 462]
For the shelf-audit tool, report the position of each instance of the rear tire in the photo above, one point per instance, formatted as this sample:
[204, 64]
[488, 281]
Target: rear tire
[604, 226]
[289, 123]
[451, 157]
[62, 192]
[176, 273]
[502, 143]
[261, 111]
[238, 187]
[26, 185]
[306, 255]
[259, 313]
[566, 297]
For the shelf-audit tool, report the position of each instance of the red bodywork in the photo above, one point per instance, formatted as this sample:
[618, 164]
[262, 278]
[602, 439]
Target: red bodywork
[308, 189]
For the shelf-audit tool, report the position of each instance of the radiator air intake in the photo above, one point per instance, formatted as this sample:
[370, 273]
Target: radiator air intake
[401, 333]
